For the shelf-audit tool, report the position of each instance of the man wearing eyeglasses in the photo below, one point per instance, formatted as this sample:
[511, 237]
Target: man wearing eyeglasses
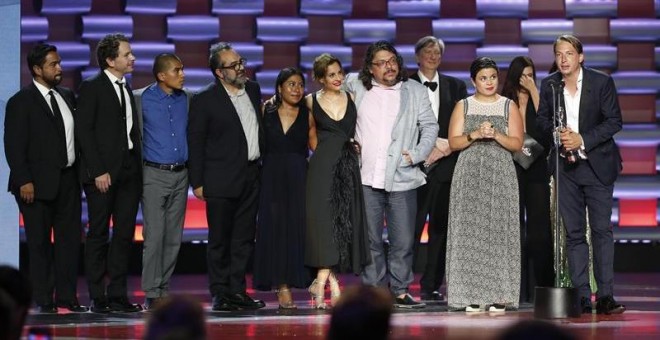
[225, 137]
[397, 130]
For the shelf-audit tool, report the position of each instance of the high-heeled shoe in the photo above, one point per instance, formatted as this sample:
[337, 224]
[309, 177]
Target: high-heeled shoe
[335, 291]
[317, 292]
[285, 299]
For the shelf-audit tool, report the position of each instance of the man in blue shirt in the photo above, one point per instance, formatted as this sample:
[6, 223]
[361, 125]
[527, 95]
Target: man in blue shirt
[163, 116]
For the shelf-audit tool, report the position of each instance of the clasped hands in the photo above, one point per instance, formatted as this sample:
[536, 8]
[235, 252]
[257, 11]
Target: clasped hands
[485, 130]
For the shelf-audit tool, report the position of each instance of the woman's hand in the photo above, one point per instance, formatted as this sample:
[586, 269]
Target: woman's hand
[528, 83]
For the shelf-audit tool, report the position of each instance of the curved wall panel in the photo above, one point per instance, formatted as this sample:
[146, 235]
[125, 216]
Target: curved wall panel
[65, 6]
[193, 28]
[544, 30]
[280, 29]
[635, 30]
[151, 6]
[309, 52]
[244, 7]
[74, 54]
[503, 8]
[97, 26]
[413, 9]
[34, 29]
[145, 52]
[459, 30]
[368, 31]
[591, 9]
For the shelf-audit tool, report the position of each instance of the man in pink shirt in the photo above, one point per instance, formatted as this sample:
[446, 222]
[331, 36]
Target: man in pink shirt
[397, 130]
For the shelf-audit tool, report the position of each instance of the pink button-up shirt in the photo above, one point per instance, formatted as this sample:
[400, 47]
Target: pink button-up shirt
[375, 120]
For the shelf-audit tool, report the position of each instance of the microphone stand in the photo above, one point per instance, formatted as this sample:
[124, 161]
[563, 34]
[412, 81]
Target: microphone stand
[557, 302]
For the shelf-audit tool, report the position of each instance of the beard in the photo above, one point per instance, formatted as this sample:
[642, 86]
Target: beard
[238, 80]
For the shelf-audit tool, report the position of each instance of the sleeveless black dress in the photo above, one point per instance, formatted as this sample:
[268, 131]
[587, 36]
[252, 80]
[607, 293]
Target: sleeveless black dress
[280, 238]
[336, 225]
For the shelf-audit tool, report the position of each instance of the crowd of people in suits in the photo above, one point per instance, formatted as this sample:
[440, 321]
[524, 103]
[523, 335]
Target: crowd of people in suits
[310, 182]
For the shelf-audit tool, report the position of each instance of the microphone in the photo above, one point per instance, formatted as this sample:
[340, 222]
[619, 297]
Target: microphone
[559, 83]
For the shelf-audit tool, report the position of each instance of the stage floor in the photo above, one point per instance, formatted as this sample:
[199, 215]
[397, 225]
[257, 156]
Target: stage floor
[639, 292]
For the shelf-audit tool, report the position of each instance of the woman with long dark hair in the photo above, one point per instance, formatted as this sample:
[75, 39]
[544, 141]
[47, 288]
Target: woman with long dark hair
[280, 235]
[533, 183]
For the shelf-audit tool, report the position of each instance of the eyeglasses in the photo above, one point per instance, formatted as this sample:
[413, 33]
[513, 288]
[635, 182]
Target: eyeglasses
[292, 85]
[382, 63]
[236, 65]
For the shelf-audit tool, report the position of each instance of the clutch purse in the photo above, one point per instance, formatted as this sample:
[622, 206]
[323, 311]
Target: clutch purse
[531, 150]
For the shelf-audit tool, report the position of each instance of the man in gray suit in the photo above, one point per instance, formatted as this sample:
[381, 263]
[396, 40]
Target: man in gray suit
[397, 130]
[163, 118]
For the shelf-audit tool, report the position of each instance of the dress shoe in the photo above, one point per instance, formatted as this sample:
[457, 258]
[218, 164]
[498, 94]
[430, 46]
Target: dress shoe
[431, 296]
[407, 302]
[152, 303]
[72, 306]
[220, 304]
[244, 301]
[585, 305]
[47, 308]
[123, 305]
[607, 305]
[100, 306]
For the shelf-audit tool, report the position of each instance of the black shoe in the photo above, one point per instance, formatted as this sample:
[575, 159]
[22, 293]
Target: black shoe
[152, 303]
[585, 305]
[123, 305]
[100, 306]
[408, 302]
[607, 305]
[47, 308]
[243, 301]
[72, 306]
[220, 304]
[431, 296]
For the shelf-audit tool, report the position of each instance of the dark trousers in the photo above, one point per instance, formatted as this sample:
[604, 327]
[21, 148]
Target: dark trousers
[232, 227]
[579, 187]
[537, 266]
[433, 199]
[120, 203]
[54, 267]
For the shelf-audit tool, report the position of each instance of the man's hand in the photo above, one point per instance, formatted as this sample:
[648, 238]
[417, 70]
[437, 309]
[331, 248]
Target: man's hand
[407, 157]
[443, 145]
[570, 139]
[199, 193]
[27, 192]
[434, 156]
[103, 182]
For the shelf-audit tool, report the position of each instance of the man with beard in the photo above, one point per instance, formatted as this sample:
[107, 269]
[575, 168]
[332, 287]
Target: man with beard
[40, 151]
[224, 141]
[397, 130]
[162, 119]
[111, 173]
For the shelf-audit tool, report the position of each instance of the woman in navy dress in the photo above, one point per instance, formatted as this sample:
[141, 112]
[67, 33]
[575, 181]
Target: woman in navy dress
[280, 235]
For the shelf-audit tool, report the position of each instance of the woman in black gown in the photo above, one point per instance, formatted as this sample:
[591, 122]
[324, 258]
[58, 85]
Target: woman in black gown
[533, 184]
[281, 219]
[336, 235]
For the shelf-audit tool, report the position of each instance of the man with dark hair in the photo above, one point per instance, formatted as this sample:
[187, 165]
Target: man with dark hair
[40, 151]
[225, 138]
[162, 109]
[111, 173]
[397, 130]
[591, 163]
[433, 197]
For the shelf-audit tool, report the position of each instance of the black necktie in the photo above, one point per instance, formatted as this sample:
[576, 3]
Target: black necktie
[123, 102]
[431, 84]
[57, 113]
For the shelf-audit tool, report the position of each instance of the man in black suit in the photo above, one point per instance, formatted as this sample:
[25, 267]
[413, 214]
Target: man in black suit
[111, 173]
[586, 178]
[40, 151]
[224, 142]
[433, 197]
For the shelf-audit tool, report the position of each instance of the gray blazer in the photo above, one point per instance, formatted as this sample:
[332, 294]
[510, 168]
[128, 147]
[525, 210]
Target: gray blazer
[415, 129]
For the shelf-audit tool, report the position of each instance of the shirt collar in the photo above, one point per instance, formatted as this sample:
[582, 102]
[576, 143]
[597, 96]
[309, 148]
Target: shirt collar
[112, 77]
[394, 87]
[162, 94]
[240, 92]
[423, 79]
[42, 89]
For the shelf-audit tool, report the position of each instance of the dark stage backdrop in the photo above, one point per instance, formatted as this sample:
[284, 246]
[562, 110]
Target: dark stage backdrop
[620, 37]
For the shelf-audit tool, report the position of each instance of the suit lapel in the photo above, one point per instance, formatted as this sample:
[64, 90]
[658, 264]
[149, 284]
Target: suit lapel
[110, 88]
[585, 97]
[445, 96]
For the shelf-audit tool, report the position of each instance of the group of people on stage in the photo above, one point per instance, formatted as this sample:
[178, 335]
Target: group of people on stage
[387, 149]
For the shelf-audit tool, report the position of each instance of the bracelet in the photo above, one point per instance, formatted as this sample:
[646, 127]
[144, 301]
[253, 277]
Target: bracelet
[469, 138]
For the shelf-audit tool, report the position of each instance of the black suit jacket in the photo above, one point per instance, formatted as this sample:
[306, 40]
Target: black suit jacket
[34, 145]
[217, 147]
[451, 90]
[600, 119]
[101, 128]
